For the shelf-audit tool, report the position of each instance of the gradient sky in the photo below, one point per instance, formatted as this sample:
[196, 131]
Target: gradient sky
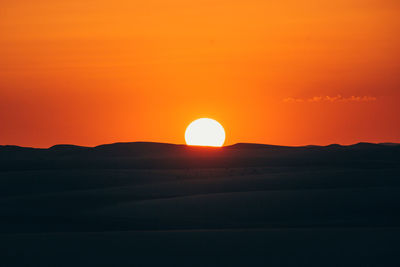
[280, 72]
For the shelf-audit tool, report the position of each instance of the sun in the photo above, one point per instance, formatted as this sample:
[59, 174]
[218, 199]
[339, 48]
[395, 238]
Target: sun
[205, 132]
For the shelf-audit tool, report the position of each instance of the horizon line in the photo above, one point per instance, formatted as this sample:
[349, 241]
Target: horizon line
[224, 146]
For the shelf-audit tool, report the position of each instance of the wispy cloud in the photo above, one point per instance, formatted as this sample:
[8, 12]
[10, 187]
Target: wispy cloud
[337, 98]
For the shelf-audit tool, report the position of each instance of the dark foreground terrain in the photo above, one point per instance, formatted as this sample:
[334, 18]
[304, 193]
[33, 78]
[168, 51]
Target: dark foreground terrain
[150, 204]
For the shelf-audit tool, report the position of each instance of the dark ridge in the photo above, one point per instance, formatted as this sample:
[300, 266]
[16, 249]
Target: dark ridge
[11, 151]
[156, 146]
[146, 155]
[334, 146]
[365, 145]
[136, 145]
[312, 146]
[389, 144]
[67, 147]
[17, 148]
[162, 149]
[136, 149]
[255, 146]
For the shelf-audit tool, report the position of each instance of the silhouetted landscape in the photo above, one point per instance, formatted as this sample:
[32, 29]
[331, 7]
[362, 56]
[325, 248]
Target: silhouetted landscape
[156, 204]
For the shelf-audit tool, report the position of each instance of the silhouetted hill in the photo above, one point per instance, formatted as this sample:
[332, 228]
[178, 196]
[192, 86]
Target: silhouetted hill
[144, 155]
[255, 146]
[67, 148]
[152, 148]
[137, 149]
[389, 144]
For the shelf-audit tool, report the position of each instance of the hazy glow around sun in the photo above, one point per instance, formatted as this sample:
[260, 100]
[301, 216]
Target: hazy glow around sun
[205, 132]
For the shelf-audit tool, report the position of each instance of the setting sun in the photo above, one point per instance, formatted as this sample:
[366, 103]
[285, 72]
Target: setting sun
[205, 132]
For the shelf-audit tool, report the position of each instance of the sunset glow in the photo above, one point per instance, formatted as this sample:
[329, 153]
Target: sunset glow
[280, 72]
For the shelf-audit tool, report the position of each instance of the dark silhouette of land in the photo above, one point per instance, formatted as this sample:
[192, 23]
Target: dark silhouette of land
[155, 204]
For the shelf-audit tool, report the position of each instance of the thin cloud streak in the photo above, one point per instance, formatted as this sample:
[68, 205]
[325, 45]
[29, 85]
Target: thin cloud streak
[337, 98]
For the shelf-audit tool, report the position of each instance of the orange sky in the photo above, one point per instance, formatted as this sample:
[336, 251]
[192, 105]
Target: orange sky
[285, 72]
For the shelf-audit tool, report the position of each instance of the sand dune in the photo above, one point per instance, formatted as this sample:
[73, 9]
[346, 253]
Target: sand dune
[161, 204]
